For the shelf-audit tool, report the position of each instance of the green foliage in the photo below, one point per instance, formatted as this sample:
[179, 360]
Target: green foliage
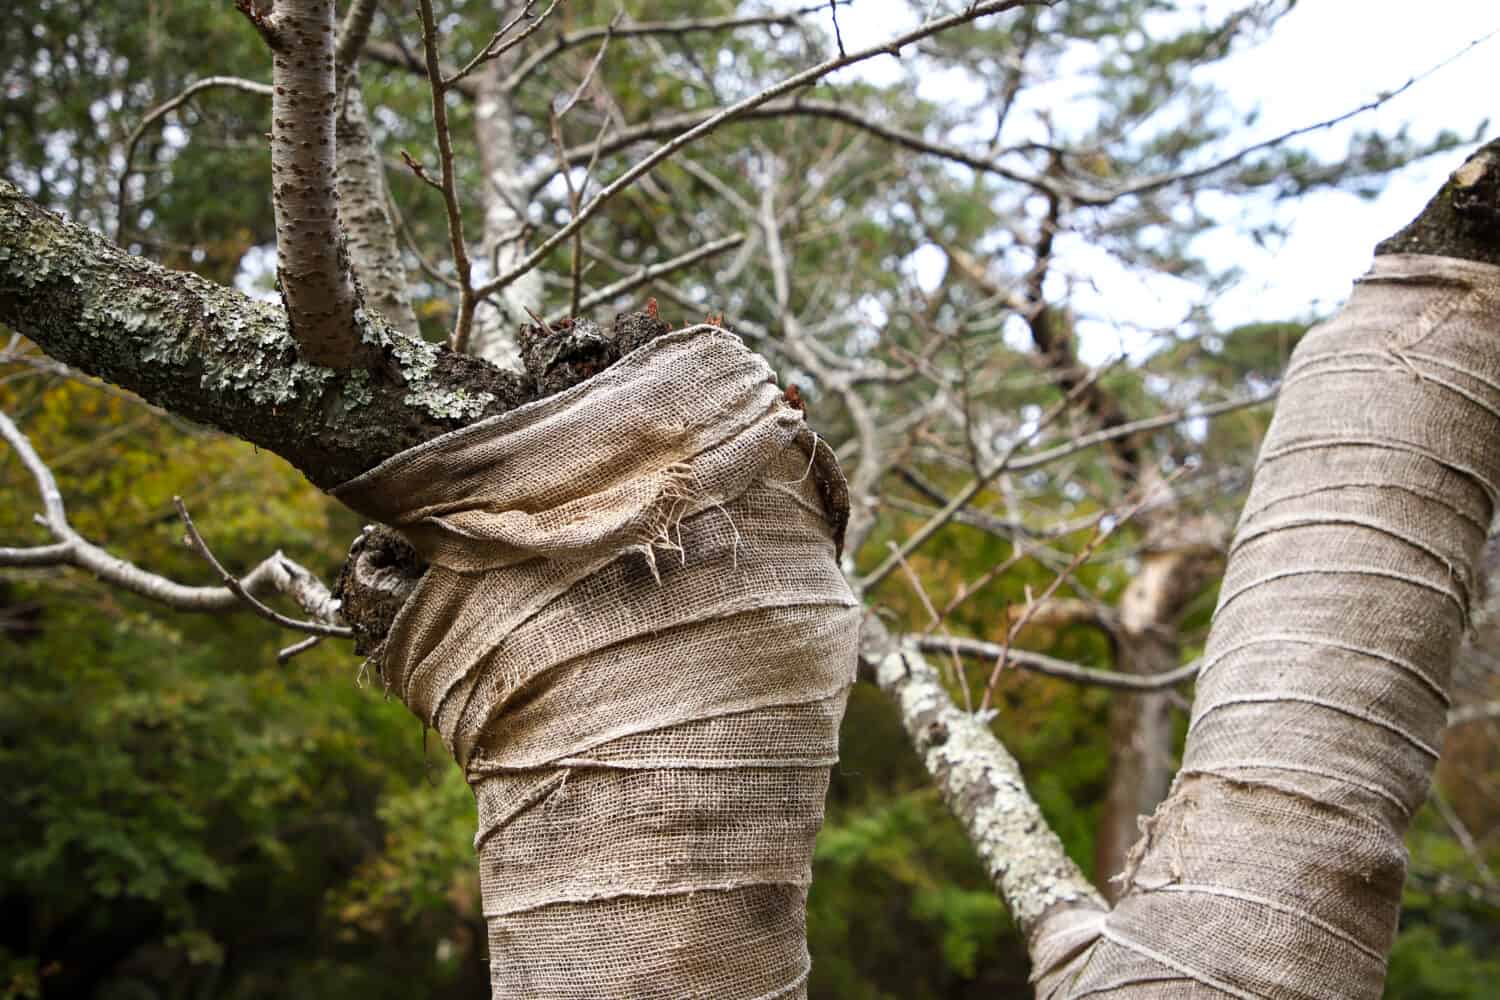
[1424, 967]
[183, 818]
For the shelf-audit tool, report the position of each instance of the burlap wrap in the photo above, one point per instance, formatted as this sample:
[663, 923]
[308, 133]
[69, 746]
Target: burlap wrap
[1275, 867]
[635, 639]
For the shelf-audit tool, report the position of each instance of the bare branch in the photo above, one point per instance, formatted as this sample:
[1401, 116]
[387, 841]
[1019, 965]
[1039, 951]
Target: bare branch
[374, 252]
[791, 83]
[576, 194]
[1102, 532]
[1149, 184]
[1048, 666]
[565, 40]
[678, 124]
[650, 273]
[459, 340]
[276, 573]
[1167, 419]
[964, 496]
[159, 112]
[498, 44]
[234, 585]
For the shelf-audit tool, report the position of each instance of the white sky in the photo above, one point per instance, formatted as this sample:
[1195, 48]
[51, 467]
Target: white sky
[1326, 57]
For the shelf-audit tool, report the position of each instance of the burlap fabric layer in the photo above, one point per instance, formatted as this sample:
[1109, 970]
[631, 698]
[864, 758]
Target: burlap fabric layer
[635, 639]
[1275, 868]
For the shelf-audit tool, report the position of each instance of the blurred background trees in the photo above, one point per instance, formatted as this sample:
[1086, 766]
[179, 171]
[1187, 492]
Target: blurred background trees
[928, 252]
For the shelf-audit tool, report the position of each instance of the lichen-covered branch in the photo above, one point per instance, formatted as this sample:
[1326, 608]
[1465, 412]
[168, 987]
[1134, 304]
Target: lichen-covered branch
[213, 355]
[1045, 891]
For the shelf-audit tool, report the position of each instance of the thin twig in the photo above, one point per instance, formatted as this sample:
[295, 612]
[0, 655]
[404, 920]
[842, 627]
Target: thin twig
[1149, 184]
[960, 677]
[791, 83]
[645, 29]
[648, 274]
[497, 45]
[1167, 419]
[962, 498]
[1048, 666]
[159, 112]
[463, 325]
[235, 587]
[576, 194]
[1100, 536]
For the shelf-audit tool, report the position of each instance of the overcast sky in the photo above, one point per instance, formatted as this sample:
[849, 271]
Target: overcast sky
[1324, 58]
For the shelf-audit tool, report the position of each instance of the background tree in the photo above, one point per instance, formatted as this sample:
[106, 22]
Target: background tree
[816, 200]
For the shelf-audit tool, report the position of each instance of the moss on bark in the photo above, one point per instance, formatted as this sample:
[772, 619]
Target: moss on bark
[1463, 218]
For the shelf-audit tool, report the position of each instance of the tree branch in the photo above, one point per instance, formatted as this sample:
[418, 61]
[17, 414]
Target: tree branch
[983, 785]
[276, 573]
[1047, 666]
[215, 356]
[159, 112]
[565, 40]
[791, 83]
[316, 286]
[650, 273]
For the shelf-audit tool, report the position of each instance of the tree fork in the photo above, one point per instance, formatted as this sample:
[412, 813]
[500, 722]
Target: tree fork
[211, 354]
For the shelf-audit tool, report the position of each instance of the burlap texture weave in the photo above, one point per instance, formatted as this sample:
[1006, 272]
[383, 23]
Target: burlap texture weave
[635, 639]
[1275, 867]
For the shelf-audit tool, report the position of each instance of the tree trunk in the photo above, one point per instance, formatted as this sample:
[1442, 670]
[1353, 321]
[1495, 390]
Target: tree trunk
[1275, 866]
[1181, 555]
[504, 197]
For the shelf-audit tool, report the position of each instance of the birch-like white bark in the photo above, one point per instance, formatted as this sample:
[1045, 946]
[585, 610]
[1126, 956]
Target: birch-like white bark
[504, 197]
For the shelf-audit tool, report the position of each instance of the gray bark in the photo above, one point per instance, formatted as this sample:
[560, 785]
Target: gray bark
[373, 251]
[213, 355]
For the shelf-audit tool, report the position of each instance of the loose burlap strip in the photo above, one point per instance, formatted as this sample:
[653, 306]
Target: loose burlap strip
[635, 639]
[1275, 867]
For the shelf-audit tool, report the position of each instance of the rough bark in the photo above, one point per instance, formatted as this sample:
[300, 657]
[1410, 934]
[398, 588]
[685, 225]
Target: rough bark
[373, 251]
[310, 261]
[213, 355]
[1049, 898]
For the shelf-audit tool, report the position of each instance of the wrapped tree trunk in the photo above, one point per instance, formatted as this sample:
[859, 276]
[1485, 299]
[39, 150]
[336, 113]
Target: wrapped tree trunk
[634, 637]
[1275, 866]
